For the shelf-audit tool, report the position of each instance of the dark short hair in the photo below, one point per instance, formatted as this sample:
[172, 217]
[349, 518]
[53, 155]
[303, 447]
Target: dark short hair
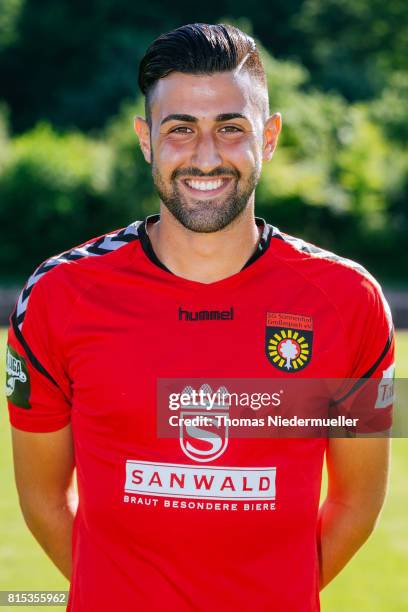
[198, 48]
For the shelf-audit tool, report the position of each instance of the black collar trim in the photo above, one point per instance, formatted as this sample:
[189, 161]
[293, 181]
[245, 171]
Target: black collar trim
[264, 242]
[147, 247]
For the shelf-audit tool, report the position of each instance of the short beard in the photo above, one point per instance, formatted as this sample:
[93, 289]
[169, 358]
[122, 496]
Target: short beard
[205, 216]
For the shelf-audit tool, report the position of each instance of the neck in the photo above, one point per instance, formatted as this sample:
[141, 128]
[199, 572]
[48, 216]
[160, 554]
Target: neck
[205, 258]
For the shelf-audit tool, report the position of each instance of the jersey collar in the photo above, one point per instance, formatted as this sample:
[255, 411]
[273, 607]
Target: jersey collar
[262, 247]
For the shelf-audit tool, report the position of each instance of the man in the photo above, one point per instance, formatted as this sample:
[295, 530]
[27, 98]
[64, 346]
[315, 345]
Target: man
[194, 292]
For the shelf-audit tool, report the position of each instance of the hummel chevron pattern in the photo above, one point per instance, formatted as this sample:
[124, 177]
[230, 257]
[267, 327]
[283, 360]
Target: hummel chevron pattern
[100, 246]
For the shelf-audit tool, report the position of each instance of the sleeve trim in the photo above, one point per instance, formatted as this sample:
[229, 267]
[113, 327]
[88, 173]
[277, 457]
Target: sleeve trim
[42, 425]
[367, 374]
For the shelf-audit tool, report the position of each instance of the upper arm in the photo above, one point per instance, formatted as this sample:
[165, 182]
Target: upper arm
[43, 466]
[358, 466]
[39, 399]
[358, 472]
[366, 393]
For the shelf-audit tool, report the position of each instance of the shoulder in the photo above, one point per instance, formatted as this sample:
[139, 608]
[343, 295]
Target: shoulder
[70, 270]
[321, 266]
[346, 284]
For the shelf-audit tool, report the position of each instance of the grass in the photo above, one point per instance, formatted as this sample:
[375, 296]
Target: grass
[374, 581]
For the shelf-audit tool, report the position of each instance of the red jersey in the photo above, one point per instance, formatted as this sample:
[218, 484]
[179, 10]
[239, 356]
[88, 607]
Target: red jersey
[167, 523]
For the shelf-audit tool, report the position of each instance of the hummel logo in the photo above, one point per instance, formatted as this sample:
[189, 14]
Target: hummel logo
[206, 315]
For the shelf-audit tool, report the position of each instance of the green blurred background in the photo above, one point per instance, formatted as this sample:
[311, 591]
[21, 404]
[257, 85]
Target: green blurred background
[70, 169]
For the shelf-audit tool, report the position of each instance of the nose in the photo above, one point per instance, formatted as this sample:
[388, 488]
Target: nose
[206, 155]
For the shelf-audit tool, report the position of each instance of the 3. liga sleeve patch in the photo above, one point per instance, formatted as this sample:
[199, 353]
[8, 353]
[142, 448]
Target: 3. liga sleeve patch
[17, 379]
[288, 341]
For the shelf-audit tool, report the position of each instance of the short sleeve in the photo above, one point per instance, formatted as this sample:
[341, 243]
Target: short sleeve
[37, 387]
[368, 392]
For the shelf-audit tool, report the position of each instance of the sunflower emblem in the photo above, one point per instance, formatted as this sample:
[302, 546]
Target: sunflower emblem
[289, 341]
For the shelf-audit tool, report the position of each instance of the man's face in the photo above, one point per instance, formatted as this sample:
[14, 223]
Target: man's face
[206, 146]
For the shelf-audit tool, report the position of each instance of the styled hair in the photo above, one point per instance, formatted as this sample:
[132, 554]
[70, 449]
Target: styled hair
[198, 48]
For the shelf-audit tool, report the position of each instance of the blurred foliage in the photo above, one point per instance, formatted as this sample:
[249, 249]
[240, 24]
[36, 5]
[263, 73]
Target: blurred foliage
[390, 109]
[73, 62]
[352, 45]
[4, 139]
[52, 192]
[70, 166]
[9, 13]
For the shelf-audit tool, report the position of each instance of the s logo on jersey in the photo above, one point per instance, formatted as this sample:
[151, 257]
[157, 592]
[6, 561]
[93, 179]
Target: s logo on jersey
[204, 444]
[288, 341]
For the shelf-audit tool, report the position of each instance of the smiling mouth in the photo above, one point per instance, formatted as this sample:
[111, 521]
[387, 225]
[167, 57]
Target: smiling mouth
[206, 187]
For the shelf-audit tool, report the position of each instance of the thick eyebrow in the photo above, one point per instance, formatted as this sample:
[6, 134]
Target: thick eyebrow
[178, 117]
[230, 116]
[192, 119]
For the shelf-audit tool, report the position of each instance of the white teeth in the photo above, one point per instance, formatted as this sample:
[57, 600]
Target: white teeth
[205, 185]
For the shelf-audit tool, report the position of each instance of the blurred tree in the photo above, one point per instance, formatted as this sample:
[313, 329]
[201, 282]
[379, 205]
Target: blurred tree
[72, 63]
[339, 177]
[4, 135]
[51, 194]
[352, 45]
[390, 110]
[132, 192]
[9, 13]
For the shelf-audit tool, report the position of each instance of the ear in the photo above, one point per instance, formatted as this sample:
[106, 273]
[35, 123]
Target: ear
[272, 130]
[143, 133]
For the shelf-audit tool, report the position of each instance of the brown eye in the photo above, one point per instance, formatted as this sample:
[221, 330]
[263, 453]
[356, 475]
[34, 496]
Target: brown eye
[230, 129]
[181, 130]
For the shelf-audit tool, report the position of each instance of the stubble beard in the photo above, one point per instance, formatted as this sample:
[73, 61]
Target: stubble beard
[205, 216]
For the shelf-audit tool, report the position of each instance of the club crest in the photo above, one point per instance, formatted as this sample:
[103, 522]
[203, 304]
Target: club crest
[289, 339]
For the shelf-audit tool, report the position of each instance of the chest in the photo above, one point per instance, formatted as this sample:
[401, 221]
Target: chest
[123, 341]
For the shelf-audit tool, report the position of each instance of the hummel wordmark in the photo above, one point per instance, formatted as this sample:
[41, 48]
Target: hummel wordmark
[206, 315]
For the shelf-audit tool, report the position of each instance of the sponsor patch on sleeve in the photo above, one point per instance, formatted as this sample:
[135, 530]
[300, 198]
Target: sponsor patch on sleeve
[385, 394]
[17, 379]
